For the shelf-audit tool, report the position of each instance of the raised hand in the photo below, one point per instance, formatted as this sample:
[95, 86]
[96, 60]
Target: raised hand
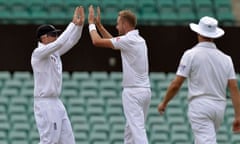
[98, 18]
[79, 16]
[91, 15]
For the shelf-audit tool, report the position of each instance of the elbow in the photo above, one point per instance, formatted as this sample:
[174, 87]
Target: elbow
[96, 43]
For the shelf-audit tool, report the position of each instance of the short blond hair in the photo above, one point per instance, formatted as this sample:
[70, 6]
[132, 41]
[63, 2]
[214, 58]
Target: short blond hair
[129, 16]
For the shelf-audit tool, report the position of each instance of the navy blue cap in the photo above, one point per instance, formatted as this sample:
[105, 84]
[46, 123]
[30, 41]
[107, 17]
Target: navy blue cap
[45, 29]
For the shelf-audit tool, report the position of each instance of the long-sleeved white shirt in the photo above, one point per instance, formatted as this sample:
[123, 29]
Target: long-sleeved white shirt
[46, 62]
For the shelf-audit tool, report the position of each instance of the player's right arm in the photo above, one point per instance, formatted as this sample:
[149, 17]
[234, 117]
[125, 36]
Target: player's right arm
[173, 88]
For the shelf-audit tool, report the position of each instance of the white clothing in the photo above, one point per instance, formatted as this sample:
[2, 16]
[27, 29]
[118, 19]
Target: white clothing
[134, 59]
[51, 117]
[205, 117]
[136, 95]
[47, 65]
[136, 102]
[208, 71]
[52, 121]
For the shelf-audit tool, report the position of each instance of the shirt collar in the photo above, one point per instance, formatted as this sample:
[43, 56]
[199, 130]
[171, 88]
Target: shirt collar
[206, 45]
[133, 32]
[40, 44]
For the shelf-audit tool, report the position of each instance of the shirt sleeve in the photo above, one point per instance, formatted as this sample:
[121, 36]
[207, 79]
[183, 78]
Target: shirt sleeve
[73, 38]
[232, 73]
[50, 48]
[119, 42]
[184, 67]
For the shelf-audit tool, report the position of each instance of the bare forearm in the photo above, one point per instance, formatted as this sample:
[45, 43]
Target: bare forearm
[95, 37]
[103, 31]
[171, 92]
[173, 88]
[234, 91]
[236, 102]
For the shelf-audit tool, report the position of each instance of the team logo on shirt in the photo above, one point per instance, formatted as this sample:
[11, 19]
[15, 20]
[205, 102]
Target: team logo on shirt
[181, 67]
[117, 38]
[53, 58]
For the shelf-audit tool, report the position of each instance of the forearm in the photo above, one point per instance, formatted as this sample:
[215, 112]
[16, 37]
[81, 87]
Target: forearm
[103, 31]
[73, 38]
[97, 40]
[236, 103]
[234, 91]
[54, 46]
[76, 34]
[70, 37]
[173, 89]
[65, 35]
[171, 92]
[94, 34]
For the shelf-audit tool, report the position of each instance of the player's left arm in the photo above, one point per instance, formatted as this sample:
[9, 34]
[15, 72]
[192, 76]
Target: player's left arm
[100, 42]
[97, 40]
[76, 32]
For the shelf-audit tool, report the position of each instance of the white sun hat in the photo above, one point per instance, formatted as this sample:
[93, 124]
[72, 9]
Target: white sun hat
[207, 27]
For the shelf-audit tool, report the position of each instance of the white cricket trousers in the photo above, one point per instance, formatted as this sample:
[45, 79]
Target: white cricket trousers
[135, 106]
[205, 117]
[52, 121]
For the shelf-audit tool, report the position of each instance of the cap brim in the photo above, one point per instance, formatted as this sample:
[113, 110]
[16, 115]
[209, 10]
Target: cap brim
[54, 32]
[218, 33]
[57, 31]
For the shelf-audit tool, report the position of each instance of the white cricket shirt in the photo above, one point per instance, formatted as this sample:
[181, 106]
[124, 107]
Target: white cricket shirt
[47, 65]
[134, 59]
[208, 71]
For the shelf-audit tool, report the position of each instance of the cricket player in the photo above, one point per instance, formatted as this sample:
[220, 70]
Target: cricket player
[136, 94]
[52, 121]
[209, 72]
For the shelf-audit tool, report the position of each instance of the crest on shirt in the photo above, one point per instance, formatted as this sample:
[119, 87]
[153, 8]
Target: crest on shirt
[53, 58]
[57, 63]
[181, 67]
[117, 38]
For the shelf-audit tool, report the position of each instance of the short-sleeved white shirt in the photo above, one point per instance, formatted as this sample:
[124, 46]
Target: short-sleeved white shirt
[208, 71]
[134, 59]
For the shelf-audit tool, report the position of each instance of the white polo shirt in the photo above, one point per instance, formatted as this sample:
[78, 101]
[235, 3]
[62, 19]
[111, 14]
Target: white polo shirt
[47, 65]
[208, 71]
[134, 59]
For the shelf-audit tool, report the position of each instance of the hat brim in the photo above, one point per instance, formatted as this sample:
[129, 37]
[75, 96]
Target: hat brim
[218, 33]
